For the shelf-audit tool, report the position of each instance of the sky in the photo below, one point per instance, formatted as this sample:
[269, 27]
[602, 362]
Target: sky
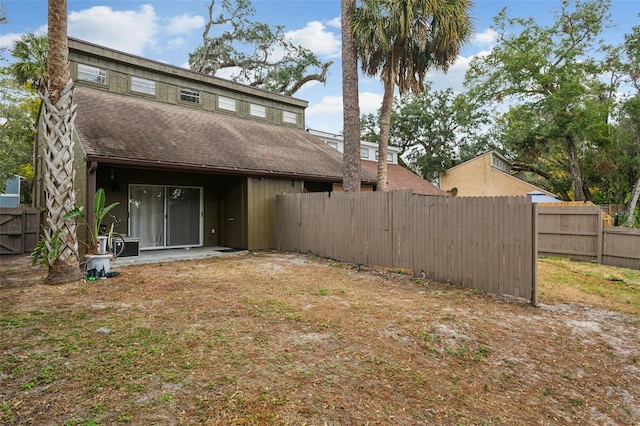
[168, 30]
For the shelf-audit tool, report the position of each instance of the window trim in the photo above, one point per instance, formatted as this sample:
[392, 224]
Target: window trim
[224, 103]
[290, 117]
[364, 150]
[194, 95]
[93, 74]
[257, 110]
[389, 156]
[138, 85]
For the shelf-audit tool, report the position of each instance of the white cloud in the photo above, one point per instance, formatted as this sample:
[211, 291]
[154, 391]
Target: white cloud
[335, 22]
[332, 104]
[316, 38]
[454, 78]
[369, 102]
[328, 104]
[128, 31]
[7, 40]
[176, 43]
[185, 24]
[486, 38]
[326, 115]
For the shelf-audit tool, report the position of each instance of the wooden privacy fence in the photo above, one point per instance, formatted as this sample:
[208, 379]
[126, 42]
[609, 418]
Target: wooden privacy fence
[484, 243]
[19, 230]
[578, 232]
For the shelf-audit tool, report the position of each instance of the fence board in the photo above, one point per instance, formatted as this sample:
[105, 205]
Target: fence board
[482, 243]
[578, 232]
[19, 230]
[570, 231]
[621, 247]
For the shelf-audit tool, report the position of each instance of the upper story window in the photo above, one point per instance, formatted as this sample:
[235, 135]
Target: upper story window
[227, 104]
[333, 145]
[92, 74]
[258, 110]
[142, 85]
[190, 95]
[389, 156]
[364, 153]
[289, 117]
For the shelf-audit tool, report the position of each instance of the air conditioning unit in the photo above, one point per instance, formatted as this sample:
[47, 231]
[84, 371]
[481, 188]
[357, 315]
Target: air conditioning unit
[131, 246]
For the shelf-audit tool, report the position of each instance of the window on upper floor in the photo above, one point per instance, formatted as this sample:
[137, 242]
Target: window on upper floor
[389, 157]
[190, 95]
[142, 85]
[226, 104]
[92, 74]
[364, 153]
[289, 117]
[333, 145]
[258, 110]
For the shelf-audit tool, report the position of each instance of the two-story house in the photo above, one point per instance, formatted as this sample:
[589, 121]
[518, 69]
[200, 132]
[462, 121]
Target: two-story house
[398, 177]
[193, 160]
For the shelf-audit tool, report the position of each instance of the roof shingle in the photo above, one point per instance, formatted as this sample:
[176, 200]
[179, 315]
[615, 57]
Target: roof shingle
[114, 127]
[400, 178]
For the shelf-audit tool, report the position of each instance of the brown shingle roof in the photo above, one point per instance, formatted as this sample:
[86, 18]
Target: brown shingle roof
[400, 178]
[130, 130]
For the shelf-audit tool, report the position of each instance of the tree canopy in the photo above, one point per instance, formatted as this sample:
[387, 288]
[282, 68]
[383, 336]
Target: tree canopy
[253, 52]
[19, 105]
[550, 78]
[556, 100]
[400, 42]
[435, 130]
[18, 112]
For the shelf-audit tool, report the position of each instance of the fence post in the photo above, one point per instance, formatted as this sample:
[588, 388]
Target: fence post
[534, 255]
[600, 238]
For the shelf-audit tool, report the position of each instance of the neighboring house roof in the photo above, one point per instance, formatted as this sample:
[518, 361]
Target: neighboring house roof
[400, 178]
[486, 175]
[541, 197]
[125, 130]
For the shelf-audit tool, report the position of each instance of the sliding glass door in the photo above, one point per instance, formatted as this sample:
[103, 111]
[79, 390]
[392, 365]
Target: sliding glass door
[165, 216]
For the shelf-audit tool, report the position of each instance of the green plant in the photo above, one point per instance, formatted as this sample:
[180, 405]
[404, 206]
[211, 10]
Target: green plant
[100, 210]
[322, 291]
[49, 253]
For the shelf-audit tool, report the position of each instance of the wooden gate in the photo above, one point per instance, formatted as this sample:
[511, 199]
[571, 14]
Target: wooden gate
[19, 230]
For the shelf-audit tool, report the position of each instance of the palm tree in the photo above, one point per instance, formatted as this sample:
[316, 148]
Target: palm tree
[350, 107]
[59, 175]
[30, 52]
[401, 40]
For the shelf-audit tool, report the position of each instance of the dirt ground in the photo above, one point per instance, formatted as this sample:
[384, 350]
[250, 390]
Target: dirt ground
[287, 339]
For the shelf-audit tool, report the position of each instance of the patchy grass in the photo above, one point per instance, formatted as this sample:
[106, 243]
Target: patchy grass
[282, 339]
[597, 285]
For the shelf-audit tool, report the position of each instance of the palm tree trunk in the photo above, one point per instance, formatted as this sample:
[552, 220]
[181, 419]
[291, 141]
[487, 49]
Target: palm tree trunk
[59, 115]
[385, 126]
[350, 106]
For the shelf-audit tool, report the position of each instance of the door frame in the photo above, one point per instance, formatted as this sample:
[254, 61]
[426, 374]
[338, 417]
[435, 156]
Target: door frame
[165, 214]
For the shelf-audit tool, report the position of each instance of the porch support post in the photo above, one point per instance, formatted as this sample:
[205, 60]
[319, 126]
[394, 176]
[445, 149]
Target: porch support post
[91, 191]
